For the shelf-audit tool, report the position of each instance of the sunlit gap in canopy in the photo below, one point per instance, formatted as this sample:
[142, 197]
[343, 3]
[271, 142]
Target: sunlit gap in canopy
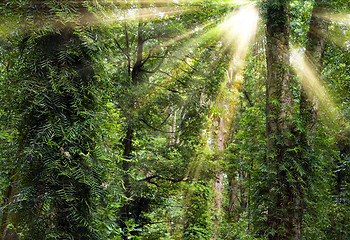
[310, 81]
[238, 31]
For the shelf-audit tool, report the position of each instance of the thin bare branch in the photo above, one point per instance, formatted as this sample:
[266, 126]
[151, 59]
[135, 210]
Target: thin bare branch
[154, 128]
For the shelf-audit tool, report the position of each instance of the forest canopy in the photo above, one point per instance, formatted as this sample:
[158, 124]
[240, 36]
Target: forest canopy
[175, 119]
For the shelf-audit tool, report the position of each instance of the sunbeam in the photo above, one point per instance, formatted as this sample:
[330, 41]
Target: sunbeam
[146, 14]
[175, 119]
[239, 28]
[236, 34]
[312, 85]
[340, 18]
[127, 11]
[341, 26]
[238, 31]
[177, 62]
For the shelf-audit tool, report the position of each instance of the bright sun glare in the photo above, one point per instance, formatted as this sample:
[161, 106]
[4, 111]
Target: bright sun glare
[238, 32]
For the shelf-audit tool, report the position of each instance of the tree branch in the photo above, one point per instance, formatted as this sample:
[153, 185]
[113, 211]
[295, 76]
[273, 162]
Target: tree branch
[147, 179]
[160, 63]
[121, 49]
[248, 98]
[156, 129]
[182, 60]
[182, 83]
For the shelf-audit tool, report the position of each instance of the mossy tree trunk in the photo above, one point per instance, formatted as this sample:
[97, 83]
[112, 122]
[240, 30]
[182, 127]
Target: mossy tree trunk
[279, 126]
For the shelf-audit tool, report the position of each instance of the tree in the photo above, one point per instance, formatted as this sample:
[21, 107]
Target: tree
[57, 161]
[280, 129]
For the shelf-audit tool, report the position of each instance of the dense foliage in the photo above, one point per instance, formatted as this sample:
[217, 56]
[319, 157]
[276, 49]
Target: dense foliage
[174, 119]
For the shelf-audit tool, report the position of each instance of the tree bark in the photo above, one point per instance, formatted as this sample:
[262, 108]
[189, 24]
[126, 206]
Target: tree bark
[279, 127]
[125, 210]
[128, 140]
[219, 175]
[5, 232]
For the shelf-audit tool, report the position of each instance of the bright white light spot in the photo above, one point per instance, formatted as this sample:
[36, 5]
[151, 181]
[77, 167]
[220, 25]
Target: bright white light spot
[239, 29]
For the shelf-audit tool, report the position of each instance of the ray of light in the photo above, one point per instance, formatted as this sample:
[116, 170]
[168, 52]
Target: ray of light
[341, 40]
[177, 2]
[146, 14]
[150, 12]
[133, 13]
[238, 31]
[179, 64]
[312, 85]
[239, 28]
[342, 20]
[181, 37]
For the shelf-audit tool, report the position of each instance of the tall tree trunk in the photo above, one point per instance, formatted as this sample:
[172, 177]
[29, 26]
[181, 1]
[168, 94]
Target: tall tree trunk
[125, 210]
[136, 78]
[279, 128]
[5, 232]
[219, 175]
[315, 47]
